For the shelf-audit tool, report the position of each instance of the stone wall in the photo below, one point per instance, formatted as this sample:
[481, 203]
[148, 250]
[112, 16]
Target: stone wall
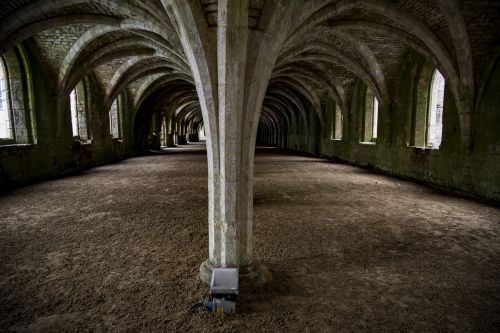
[474, 171]
[56, 152]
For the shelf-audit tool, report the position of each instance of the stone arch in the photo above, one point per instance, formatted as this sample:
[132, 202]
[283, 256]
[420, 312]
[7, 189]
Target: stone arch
[314, 73]
[41, 9]
[149, 86]
[326, 53]
[20, 89]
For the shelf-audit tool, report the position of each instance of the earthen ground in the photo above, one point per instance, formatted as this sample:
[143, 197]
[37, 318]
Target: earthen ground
[118, 248]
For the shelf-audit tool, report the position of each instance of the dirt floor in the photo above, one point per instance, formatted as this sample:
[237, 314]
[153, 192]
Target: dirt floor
[118, 248]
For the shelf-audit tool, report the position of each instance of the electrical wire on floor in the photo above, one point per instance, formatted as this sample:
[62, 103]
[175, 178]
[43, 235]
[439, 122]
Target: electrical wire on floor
[196, 307]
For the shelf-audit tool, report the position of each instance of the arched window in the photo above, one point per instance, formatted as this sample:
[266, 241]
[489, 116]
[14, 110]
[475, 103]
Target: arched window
[369, 129]
[114, 120]
[427, 111]
[5, 109]
[375, 119]
[435, 111]
[17, 122]
[79, 113]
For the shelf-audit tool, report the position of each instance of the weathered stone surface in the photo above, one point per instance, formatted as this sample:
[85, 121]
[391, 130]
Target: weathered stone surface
[241, 71]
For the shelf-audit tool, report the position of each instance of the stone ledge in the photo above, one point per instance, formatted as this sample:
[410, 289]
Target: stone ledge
[14, 147]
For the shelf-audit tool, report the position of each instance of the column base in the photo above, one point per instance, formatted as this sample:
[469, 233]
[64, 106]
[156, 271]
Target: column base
[181, 139]
[251, 275]
[193, 138]
[171, 141]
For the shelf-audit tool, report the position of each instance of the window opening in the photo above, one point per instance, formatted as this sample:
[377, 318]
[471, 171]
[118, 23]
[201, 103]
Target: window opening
[5, 111]
[79, 113]
[375, 119]
[435, 113]
[114, 120]
[370, 122]
[74, 113]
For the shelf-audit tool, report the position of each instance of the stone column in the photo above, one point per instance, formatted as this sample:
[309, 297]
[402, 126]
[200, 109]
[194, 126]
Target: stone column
[170, 140]
[193, 137]
[233, 246]
[231, 66]
[181, 139]
[155, 143]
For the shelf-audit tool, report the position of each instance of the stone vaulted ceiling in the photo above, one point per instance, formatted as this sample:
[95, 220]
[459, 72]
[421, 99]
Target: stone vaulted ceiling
[134, 45]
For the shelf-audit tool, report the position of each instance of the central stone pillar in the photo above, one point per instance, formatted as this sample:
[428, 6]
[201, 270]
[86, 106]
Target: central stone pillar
[231, 67]
[232, 234]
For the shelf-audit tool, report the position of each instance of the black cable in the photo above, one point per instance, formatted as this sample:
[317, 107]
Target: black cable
[195, 307]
